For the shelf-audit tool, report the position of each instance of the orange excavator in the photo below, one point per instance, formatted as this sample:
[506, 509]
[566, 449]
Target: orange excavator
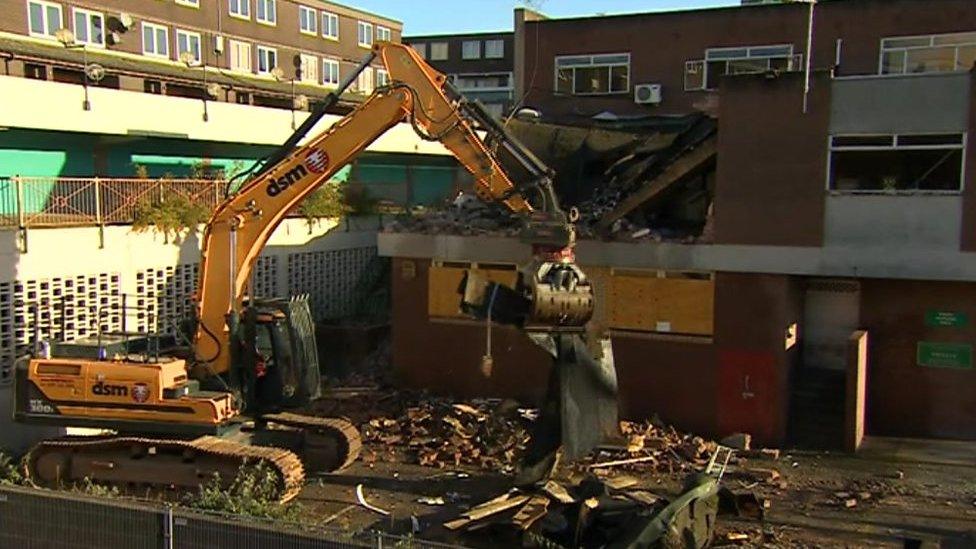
[229, 398]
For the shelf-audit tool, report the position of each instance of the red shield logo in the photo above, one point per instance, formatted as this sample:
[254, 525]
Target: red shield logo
[140, 392]
[317, 161]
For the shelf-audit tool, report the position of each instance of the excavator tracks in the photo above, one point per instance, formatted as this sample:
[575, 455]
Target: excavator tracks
[331, 444]
[156, 468]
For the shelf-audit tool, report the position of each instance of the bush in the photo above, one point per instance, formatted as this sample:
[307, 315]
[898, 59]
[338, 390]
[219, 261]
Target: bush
[255, 492]
[9, 471]
[170, 213]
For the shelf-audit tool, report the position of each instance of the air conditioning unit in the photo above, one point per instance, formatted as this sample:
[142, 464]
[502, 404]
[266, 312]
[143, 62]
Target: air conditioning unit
[218, 44]
[647, 94]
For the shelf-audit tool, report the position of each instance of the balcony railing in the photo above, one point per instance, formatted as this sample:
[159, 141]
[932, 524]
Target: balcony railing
[32, 202]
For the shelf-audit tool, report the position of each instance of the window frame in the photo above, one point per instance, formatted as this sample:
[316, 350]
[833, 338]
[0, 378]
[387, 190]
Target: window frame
[247, 9]
[47, 24]
[499, 41]
[366, 73]
[793, 58]
[496, 74]
[377, 80]
[332, 62]
[447, 51]
[190, 34]
[189, 3]
[156, 27]
[315, 62]
[331, 16]
[931, 39]
[273, 20]
[231, 43]
[360, 25]
[895, 145]
[259, 48]
[380, 30]
[303, 11]
[88, 13]
[593, 57]
[421, 49]
[464, 48]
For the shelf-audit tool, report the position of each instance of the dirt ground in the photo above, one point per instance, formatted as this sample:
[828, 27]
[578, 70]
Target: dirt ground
[820, 500]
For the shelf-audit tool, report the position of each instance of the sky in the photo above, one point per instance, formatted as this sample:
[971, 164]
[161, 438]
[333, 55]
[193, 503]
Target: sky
[458, 16]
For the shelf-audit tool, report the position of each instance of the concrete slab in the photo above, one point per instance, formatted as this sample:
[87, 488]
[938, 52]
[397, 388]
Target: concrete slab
[916, 450]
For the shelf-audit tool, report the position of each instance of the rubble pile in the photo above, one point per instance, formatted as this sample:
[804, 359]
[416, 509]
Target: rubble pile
[651, 446]
[465, 216]
[435, 432]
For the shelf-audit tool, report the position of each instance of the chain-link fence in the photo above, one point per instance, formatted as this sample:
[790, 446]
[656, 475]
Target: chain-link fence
[45, 519]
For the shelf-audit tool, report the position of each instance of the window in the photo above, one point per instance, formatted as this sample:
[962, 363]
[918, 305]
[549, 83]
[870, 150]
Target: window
[483, 82]
[593, 74]
[384, 34]
[89, 27]
[330, 25]
[330, 72]
[189, 3]
[266, 12]
[240, 56]
[494, 49]
[45, 18]
[382, 77]
[421, 49]
[155, 40]
[365, 34]
[936, 53]
[188, 42]
[307, 20]
[267, 59]
[471, 49]
[896, 163]
[705, 74]
[364, 82]
[309, 69]
[438, 51]
[240, 8]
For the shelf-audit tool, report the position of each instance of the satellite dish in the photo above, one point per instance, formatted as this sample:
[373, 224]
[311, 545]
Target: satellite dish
[95, 72]
[301, 102]
[188, 58]
[213, 90]
[126, 20]
[278, 73]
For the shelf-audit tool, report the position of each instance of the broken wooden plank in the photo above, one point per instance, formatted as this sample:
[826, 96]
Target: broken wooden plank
[558, 492]
[487, 509]
[615, 463]
[532, 511]
[676, 172]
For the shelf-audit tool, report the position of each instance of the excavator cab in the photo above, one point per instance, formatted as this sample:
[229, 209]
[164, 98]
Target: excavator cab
[277, 365]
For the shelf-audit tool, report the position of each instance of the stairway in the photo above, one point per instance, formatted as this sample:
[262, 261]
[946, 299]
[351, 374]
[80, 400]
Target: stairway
[817, 409]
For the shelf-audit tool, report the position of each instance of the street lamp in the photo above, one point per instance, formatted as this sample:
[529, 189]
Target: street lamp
[191, 62]
[279, 74]
[67, 39]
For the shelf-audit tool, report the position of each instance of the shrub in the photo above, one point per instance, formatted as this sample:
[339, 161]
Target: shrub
[170, 213]
[9, 471]
[254, 493]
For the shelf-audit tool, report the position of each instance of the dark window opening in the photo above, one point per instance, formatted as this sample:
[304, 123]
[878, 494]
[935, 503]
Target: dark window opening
[153, 86]
[179, 90]
[273, 102]
[897, 170]
[242, 98]
[68, 76]
[35, 71]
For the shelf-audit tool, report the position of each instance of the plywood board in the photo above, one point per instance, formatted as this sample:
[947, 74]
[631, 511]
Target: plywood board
[670, 305]
[443, 281]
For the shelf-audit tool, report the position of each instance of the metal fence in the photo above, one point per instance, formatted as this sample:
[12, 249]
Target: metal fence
[28, 202]
[57, 520]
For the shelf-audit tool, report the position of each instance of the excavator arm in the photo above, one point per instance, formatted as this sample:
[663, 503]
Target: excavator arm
[241, 226]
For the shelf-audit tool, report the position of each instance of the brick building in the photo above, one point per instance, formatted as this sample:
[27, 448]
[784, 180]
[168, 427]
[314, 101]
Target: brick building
[843, 205]
[479, 64]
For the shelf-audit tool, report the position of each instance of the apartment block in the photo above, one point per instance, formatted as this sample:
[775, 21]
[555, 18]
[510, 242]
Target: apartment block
[836, 225]
[480, 65]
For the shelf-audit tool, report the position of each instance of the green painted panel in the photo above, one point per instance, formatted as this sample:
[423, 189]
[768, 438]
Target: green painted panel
[945, 355]
[945, 319]
[432, 184]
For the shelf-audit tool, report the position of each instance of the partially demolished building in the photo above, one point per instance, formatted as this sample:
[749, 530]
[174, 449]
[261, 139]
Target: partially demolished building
[779, 247]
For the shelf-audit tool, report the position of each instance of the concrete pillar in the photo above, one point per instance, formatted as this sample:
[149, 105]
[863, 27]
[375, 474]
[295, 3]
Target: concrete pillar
[854, 405]
[520, 44]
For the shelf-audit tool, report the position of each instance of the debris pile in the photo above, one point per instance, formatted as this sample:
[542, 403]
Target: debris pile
[435, 432]
[466, 216]
[651, 446]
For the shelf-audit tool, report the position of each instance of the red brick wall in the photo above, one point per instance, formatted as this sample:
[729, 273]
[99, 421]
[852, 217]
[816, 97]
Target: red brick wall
[772, 161]
[905, 399]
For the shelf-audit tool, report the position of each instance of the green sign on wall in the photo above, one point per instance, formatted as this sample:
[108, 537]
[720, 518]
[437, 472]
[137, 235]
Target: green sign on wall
[942, 319]
[945, 355]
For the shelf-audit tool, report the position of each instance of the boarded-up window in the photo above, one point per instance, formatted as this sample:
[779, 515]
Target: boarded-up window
[444, 279]
[661, 301]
